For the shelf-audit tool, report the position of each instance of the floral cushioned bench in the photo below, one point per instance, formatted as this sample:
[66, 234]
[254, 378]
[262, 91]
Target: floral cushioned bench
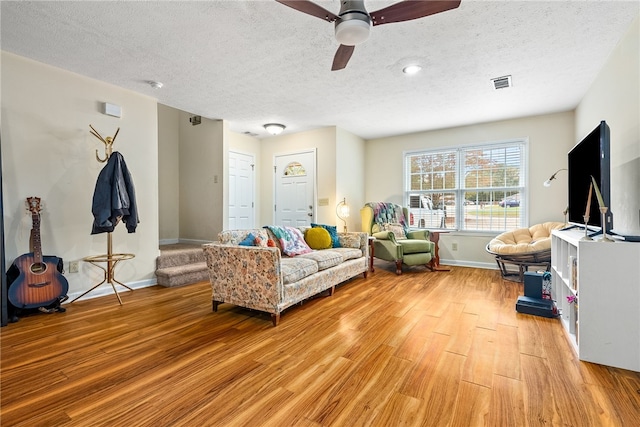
[263, 277]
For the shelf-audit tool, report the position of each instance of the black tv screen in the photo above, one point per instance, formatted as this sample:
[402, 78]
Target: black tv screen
[590, 157]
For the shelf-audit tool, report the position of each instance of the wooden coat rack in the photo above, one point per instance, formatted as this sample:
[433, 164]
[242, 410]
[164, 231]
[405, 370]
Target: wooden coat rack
[109, 258]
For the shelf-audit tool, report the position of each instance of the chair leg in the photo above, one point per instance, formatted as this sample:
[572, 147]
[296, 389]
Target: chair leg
[275, 318]
[431, 264]
[399, 267]
[215, 305]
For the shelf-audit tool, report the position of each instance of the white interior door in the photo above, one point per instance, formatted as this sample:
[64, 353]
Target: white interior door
[294, 188]
[241, 196]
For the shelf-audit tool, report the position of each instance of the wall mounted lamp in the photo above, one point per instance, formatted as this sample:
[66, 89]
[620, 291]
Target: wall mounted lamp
[342, 210]
[547, 183]
[274, 128]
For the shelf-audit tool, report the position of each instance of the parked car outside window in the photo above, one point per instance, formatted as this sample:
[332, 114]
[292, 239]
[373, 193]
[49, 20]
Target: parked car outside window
[509, 202]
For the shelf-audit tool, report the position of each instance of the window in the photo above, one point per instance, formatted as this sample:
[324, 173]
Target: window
[474, 188]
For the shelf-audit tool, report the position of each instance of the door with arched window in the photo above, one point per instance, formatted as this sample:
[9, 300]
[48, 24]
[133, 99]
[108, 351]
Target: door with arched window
[294, 188]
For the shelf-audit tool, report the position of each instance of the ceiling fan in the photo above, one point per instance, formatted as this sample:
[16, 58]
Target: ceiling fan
[353, 22]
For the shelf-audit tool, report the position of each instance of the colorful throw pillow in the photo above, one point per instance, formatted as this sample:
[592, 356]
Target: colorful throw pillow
[333, 232]
[250, 240]
[296, 245]
[318, 238]
[291, 239]
[396, 229]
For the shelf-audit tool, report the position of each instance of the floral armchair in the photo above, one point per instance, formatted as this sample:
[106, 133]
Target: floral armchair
[393, 240]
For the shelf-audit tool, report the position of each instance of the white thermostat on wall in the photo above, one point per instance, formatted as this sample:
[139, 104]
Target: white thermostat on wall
[111, 109]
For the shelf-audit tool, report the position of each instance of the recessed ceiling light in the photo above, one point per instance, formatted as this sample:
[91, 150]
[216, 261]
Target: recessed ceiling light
[155, 85]
[411, 69]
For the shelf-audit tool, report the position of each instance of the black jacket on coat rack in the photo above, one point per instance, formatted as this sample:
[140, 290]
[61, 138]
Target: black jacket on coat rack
[114, 197]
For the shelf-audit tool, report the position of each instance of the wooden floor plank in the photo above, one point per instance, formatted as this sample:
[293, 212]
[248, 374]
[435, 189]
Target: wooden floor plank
[472, 405]
[422, 348]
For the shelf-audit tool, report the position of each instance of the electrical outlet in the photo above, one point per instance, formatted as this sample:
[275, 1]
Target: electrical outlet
[74, 266]
[454, 246]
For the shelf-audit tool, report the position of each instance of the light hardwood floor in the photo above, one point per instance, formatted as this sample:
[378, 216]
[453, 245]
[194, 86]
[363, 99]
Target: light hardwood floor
[421, 349]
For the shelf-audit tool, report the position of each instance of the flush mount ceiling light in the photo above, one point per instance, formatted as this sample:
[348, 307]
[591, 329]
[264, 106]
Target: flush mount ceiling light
[154, 84]
[411, 69]
[274, 128]
[353, 28]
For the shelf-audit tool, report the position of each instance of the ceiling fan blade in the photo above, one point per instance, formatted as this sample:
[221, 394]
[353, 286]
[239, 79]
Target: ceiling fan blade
[310, 8]
[342, 57]
[411, 9]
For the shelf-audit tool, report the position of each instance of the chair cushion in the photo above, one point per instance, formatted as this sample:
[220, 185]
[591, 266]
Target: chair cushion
[524, 240]
[411, 246]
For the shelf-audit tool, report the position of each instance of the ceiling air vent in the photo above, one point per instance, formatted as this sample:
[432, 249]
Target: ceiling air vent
[501, 82]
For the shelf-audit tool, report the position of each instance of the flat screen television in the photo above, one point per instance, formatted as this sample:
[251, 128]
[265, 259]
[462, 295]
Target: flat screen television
[590, 157]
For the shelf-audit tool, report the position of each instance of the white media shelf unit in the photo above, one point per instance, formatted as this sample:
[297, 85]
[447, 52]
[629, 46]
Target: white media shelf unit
[604, 326]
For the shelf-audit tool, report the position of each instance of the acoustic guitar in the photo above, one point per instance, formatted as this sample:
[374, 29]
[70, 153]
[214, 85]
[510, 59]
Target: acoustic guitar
[40, 283]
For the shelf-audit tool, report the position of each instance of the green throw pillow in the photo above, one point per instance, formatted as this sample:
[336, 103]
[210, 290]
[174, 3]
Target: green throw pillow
[318, 238]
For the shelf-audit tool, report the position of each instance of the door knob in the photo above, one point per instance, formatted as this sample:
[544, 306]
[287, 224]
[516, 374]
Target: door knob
[309, 214]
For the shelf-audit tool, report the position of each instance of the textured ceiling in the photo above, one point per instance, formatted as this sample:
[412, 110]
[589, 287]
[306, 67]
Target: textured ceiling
[254, 62]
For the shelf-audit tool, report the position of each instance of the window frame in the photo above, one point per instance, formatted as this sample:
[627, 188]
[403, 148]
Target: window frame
[522, 143]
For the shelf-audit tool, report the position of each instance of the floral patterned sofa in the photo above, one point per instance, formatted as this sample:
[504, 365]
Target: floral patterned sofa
[263, 278]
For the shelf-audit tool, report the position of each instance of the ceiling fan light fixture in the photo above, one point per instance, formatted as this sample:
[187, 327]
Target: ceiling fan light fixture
[351, 32]
[274, 128]
[411, 69]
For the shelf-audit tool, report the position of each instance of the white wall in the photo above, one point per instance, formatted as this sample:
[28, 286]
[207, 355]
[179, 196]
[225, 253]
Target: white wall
[47, 151]
[169, 173]
[202, 180]
[550, 137]
[350, 169]
[324, 141]
[615, 97]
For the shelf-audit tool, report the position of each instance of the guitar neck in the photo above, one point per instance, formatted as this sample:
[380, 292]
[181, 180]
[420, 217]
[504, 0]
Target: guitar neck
[35, 234]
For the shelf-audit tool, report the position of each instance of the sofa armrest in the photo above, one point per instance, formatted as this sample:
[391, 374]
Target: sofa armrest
[248, 276]
[355, 240]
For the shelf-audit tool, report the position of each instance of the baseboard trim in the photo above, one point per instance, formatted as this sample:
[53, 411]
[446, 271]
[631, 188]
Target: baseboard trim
[484, 265]
[193, 241]
[105, 289]
[169, 241]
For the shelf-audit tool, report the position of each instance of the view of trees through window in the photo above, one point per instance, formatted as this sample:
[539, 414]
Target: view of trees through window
[467, 188]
